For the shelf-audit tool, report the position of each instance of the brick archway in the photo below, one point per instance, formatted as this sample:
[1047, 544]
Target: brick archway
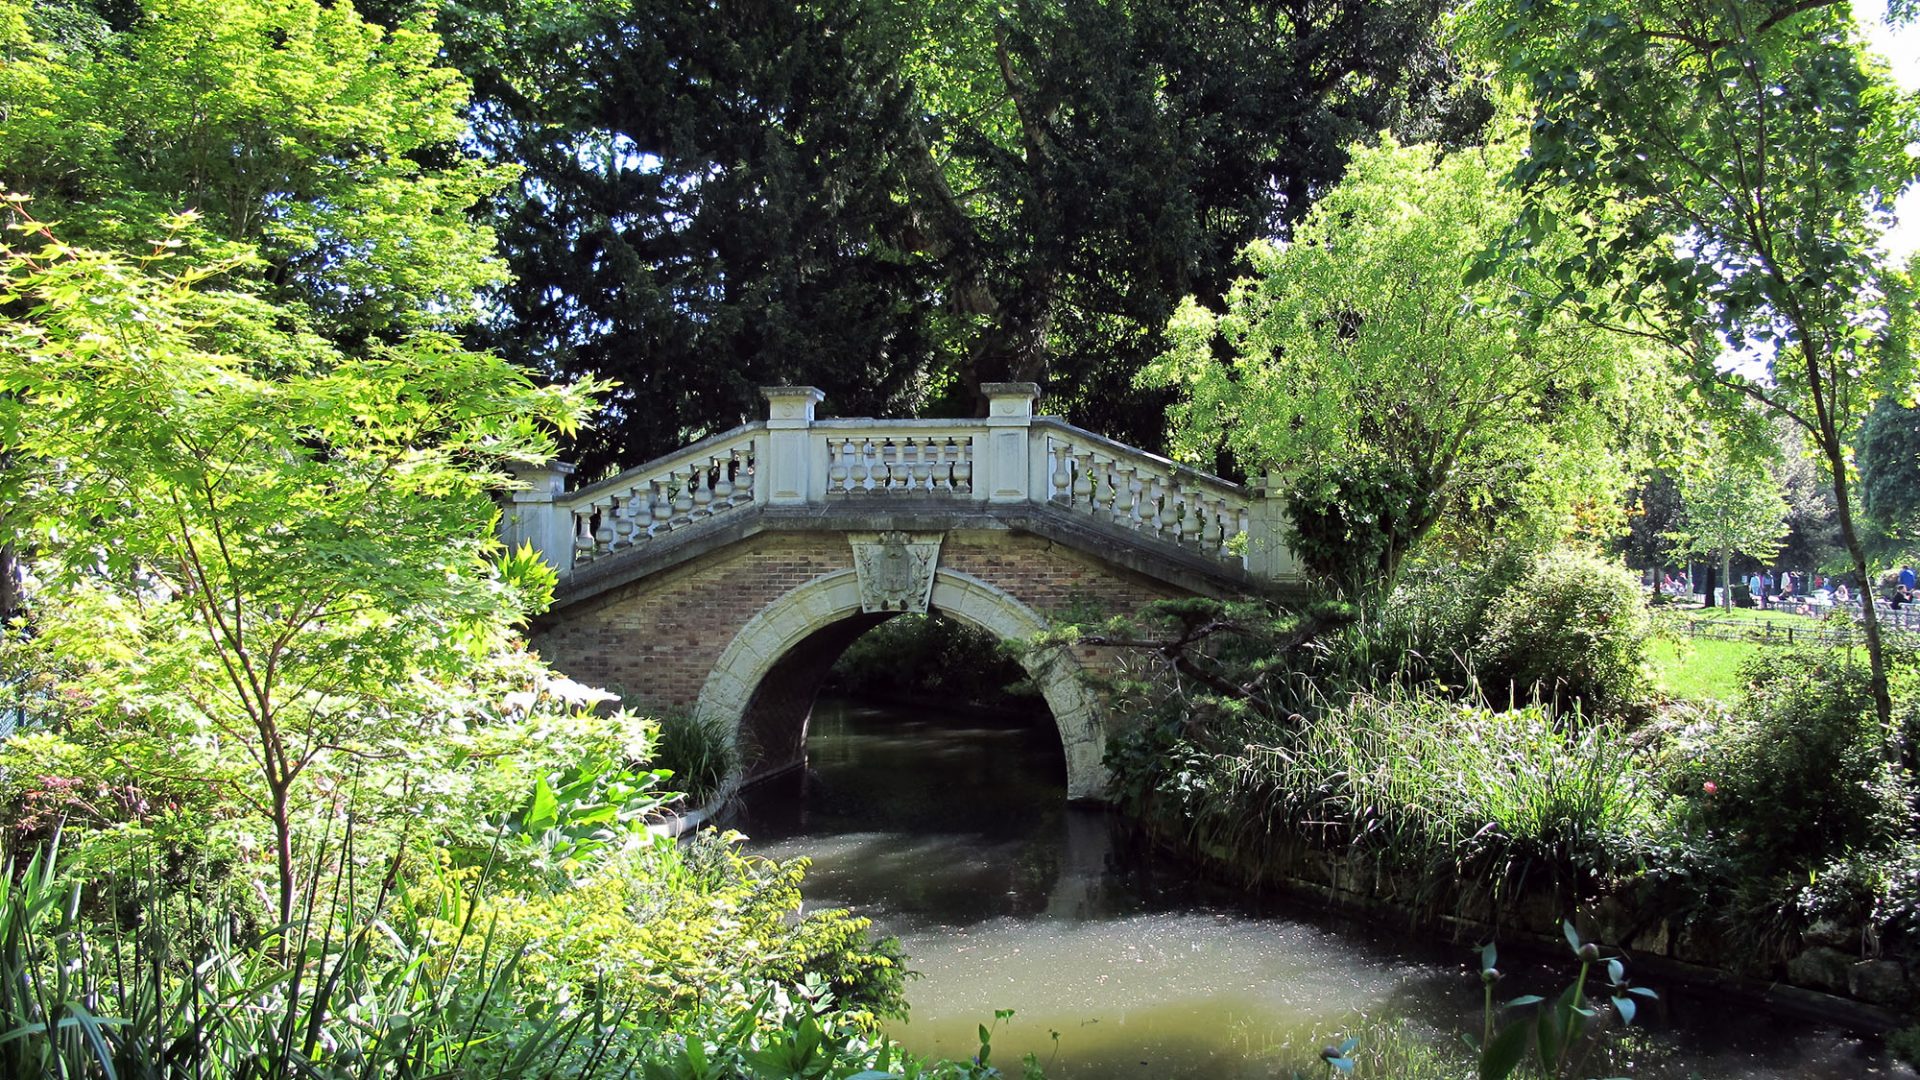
[762, 686]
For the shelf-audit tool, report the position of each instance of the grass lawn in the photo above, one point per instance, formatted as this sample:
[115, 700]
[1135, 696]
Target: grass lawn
[1750, 615]
[1700, 669]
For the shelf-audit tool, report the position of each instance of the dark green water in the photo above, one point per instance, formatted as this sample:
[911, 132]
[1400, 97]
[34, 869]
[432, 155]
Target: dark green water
[952, 831]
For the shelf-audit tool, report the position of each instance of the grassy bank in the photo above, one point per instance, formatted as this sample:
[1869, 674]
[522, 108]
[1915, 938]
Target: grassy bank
[1736, 811]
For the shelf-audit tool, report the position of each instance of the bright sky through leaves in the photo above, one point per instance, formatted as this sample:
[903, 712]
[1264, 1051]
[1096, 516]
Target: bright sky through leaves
[1901, 47]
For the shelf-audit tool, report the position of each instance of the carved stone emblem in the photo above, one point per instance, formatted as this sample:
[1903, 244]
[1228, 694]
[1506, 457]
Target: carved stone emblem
[895, 569]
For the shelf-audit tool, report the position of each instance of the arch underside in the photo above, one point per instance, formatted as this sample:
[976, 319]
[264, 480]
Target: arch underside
[762, 687]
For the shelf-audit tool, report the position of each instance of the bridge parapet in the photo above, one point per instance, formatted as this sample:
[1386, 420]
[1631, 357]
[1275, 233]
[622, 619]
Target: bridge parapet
[1008, 457]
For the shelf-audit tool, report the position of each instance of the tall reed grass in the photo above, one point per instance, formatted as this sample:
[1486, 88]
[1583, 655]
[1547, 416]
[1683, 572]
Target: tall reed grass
[1426, 783]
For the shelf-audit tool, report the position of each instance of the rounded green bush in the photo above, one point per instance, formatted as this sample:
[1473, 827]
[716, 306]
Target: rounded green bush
[1570, 630]
[1798, 776]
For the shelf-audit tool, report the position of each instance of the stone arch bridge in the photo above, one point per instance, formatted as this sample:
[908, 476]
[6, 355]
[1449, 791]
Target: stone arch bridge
[726, 578]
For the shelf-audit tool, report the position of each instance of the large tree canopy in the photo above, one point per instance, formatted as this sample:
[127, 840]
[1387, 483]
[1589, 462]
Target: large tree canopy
[896, 203]
[1728, 167]
[311, 144]
[1361, 367]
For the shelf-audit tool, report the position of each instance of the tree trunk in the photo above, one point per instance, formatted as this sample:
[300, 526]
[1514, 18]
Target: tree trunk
[1890, 739]
[283, 854]
[9, 584]
[1726, 579]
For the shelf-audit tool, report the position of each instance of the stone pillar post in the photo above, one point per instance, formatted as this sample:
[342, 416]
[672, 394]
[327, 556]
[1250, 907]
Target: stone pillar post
[785, 466]
[1268, 556]
[531, 516]
[1009, 418]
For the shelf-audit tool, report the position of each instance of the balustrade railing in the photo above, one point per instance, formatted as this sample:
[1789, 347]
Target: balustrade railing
[1007, 457]
[703, 481]
[900, 458]
[1146, 494]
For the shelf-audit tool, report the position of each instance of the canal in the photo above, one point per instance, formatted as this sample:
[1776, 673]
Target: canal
[951, 831]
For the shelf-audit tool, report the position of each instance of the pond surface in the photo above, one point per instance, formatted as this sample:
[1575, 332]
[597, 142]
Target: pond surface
[952, 831]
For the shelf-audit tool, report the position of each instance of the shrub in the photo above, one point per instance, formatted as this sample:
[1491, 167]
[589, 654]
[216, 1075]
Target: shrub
[698, 752]
[1797, 776]
[372, 988]
[1353, 522]
[1440, 612]
[666, 926]
[1570, 630]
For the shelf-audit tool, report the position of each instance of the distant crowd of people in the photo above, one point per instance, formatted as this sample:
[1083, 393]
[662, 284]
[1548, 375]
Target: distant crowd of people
[1792, 591]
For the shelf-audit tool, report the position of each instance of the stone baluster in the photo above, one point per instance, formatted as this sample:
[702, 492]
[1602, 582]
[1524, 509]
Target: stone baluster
[857, 471]
[1111, 484]
[722, 483]
[924, 466]
[603, 529]
[744, 473]
[904, 461]
[837, 469]
[899, 468]
[622, 514]
[682, 499]
[1196, 530]
[640, 511]
[1159, 500]
[1060, 475]
[1123, 495]
[699, 477]
[1083, 479]
[902, 471]
[885, 454]
[583, 535]
[909, 464]
[946, 452]
[1222, 517]
[662, 507]
[1136, 498]
[963, 467]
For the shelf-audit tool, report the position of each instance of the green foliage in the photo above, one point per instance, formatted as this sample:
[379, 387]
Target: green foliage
[666, 929]
[899, 202]
[1575, 627]
[1361, 366]
[1469, 797]
[1795, 776]
[698, 755]
[1731, 505]
[250, 548]
[1562, 1034]
[1353, 522]
[371, 987]
[1727, 169]
[939, 657]
[1889, 458]
[317, 151]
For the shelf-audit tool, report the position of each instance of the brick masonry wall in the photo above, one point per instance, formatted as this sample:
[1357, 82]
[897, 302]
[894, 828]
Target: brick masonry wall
[655, 641]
